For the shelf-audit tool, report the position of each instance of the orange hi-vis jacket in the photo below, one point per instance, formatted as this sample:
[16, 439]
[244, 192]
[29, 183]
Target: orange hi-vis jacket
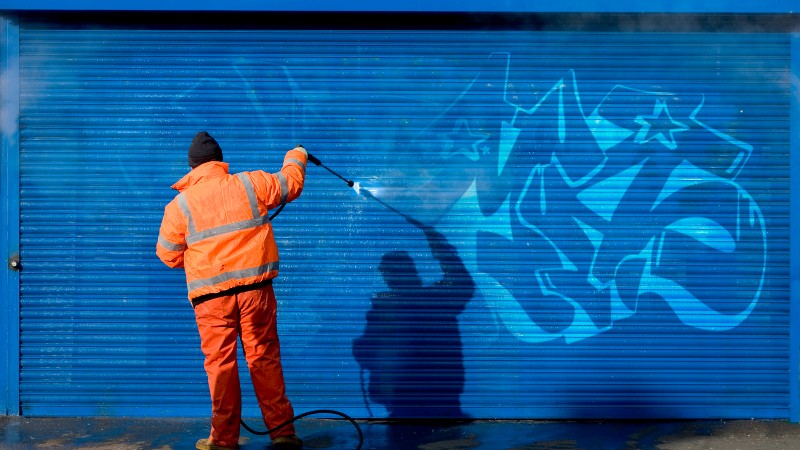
[217, 228]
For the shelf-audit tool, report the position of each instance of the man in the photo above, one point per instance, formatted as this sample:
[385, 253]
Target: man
[217, 229]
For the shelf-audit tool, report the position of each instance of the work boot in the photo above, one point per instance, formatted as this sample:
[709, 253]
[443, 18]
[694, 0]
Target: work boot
[206, 444]
[287, 443]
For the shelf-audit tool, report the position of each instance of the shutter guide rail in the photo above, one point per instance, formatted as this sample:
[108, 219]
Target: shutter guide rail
[9, 215]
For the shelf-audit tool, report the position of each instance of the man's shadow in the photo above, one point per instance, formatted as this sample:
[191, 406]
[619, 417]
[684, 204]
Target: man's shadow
[411, 344]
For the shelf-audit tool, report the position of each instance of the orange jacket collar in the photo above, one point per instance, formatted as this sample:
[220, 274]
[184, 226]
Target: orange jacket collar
[206, 171]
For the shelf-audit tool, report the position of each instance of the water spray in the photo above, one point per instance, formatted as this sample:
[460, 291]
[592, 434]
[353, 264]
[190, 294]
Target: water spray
[357, 187]
[368, 194]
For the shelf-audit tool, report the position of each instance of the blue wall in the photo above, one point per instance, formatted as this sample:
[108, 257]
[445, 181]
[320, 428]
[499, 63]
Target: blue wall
[605, 217]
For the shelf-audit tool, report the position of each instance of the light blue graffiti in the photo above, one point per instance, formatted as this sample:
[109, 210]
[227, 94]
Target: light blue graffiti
[464, 142]
[510, 133]
[655, 126]
[749, 226]
[745, 149]
[604, 197]
[702, 204]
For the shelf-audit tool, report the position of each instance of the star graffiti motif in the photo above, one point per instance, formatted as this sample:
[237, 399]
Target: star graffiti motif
[464, 141]
[660, 126]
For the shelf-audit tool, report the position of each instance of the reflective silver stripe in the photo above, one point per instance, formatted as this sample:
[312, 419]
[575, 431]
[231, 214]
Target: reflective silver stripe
[184, 205]
[162, 241]
[284, 187]
[228, 228]
[232, 275]
[296, 161]
[251, 193]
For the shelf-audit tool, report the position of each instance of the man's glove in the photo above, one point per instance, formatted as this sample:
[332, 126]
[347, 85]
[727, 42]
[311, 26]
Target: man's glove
[313, 159]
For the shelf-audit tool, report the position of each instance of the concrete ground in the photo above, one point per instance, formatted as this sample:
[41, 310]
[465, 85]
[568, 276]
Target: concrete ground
[168, 434]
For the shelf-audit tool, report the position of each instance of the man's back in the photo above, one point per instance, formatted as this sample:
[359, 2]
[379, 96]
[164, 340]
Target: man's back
[217, 228]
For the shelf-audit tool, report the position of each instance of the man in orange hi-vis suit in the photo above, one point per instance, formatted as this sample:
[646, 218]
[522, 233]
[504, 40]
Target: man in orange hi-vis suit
[217, 228]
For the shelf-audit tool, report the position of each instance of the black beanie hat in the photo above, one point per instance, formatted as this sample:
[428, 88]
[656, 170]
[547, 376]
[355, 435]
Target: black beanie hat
[204, 148]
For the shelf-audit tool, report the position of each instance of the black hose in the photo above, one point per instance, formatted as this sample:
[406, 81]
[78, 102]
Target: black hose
[278, 211]
[305, 414]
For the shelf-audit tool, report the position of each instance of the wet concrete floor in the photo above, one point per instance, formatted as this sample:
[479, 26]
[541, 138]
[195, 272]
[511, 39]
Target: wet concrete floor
[168, 434]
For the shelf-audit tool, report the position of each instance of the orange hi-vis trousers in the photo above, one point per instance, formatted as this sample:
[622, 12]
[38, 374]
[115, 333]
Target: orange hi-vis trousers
[220, 321]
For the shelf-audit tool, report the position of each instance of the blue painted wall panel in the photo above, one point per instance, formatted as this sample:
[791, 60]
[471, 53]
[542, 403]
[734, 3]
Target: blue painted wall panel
[612, 213]
[794, 214]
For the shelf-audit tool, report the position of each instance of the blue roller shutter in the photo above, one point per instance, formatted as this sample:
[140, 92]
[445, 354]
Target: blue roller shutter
[612, 211]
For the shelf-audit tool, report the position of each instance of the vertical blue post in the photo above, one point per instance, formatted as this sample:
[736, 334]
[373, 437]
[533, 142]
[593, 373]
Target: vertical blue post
[794, 231]
[9, 215]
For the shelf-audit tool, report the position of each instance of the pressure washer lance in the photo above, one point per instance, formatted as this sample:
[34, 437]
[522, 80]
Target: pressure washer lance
[350, 183]
[317, 162]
